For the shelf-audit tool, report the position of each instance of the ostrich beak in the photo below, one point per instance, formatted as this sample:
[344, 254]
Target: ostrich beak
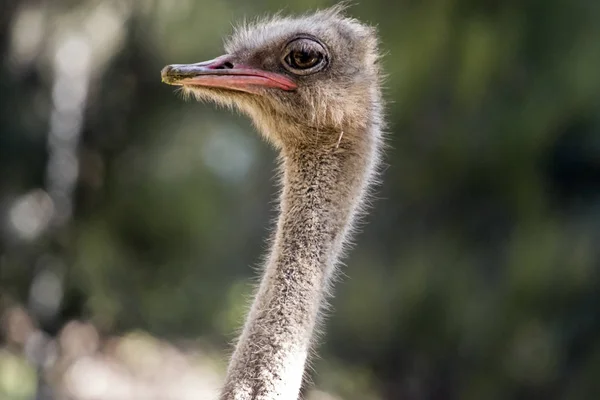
[223, 73]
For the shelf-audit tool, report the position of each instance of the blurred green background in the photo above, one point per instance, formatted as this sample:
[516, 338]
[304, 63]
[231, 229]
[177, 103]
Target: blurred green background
[476, 276]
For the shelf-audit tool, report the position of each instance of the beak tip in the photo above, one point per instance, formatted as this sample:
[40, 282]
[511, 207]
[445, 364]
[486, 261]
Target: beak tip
[165, 74]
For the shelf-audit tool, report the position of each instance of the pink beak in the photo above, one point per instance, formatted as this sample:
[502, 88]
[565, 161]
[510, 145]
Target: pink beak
[223, 73]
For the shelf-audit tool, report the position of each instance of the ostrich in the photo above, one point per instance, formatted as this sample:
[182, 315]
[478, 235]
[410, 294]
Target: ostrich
[311, 86]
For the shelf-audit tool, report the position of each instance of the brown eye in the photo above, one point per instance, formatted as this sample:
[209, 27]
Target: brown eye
[303, 59]
[304, 56]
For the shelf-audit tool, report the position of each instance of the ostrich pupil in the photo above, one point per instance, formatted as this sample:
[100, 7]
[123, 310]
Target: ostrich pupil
[305, 59]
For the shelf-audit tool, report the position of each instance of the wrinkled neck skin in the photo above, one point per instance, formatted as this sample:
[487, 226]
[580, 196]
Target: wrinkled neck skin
[323, 187]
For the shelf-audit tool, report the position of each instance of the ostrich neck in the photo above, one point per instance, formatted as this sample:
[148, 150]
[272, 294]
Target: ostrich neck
[322, 189]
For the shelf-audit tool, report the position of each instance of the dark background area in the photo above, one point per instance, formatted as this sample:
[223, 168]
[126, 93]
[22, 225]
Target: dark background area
[476, 275]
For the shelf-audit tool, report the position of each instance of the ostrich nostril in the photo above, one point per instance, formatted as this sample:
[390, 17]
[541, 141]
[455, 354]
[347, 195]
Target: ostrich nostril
[225, 65]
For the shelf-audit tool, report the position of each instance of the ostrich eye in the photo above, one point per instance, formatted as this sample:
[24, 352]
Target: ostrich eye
[304, 56]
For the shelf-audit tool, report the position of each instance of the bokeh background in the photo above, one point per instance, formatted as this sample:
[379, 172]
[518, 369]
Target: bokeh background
[131, 220]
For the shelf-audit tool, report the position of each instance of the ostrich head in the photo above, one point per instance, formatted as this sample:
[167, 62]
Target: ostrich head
[301, 80]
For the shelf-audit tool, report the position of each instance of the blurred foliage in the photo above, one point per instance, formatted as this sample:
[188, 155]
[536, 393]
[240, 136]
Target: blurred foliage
[477, 274]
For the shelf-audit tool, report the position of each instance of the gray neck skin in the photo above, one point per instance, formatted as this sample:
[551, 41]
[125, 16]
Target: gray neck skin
[322, 189]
